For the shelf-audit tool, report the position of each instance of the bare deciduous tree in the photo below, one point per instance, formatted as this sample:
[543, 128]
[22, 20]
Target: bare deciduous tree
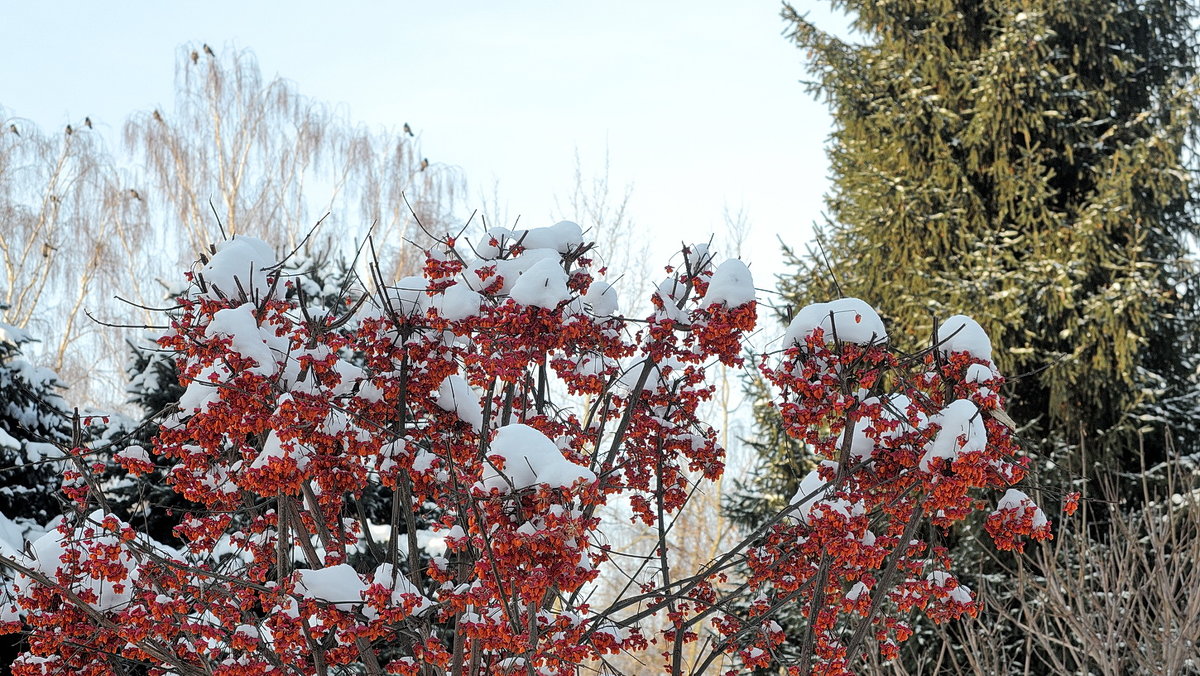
[604, 213]
[79, 225]
[1113, 594]
[65, 217]
[270, 162]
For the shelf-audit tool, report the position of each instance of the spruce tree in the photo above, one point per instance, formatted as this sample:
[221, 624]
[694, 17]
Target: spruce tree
[35, 425]
[1023, 163]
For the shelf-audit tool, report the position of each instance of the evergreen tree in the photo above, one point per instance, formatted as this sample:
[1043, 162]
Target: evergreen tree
[1023, 163]
[35, 423]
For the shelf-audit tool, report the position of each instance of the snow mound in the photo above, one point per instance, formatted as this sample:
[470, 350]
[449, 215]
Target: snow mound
[962, 431]
[240, 260]
[240, 326]
[454, 394]
[847, 319]
[602, 298]
[1016, 500]
[47, 553]
[530, 458]
[391, 578]
[808, 497]
[731, 284]
[459, 302]
[339, 585]
[204, 390]
[862, 447]
[275, 449]
[960, 333]
[956, 590]
[561, 237]
[856, 591]
[408, 297]
[543, 285]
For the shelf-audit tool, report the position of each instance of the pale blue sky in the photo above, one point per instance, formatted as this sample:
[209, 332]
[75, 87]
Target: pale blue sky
[698, 102]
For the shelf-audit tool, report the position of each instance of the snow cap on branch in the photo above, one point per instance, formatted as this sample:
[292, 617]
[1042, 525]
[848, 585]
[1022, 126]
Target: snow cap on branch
[530, 458]
[339, 585]
[960, 333]
[543, 285]
[962, 431]
[602, 298]
[1015, 500]
[853, 321]
[239, 260]
[561, 237]
[454, 394]
[408, 296]
[245, 338]
[810, 496]
[458, 302]
[49, 555]
[731, 284]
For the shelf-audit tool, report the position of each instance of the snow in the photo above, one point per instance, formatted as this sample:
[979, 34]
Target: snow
[561, 237]
[962, 431]
[458, 302]
[808, 496]
[543, 285]
[47, 553]
[391, 578]
[669, 293]
[896, 407]
[856, 591]
[958, 591]
[978, 373]
[861, 446]
[239, 260]
[1016, 500]
[407, 297]
[530, 458]
[509, 269]
[204, 390]
[338, 585]
[241, 327]
[731, 284]
[602, 298]
[661, 375]
[594, 364]
[423, 461]
[273, 449]
[13, 534]
[14, 336]
[853, 321]
[454, 394]
[698, 258]
[136, 453]
[960, 333]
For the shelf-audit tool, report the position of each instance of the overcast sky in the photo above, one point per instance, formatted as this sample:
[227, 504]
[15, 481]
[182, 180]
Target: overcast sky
[699, 103]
